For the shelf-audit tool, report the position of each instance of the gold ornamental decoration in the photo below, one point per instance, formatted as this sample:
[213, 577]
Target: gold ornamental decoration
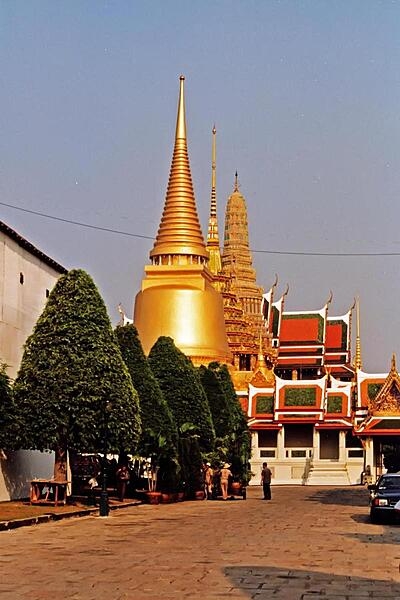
[387, 401]
[180, 231]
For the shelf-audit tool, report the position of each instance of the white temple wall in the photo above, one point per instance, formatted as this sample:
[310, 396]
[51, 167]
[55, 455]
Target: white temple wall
[25, 282]
[24, 279]
[294, 458]
[17, 469]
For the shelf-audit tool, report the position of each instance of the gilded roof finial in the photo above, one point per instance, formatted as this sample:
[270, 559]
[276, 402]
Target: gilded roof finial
[260, 363]
[181, 118]
[180, 232]
[394, 368]
[357, 360]
[236, 188]
[213, 209]
[214, 263]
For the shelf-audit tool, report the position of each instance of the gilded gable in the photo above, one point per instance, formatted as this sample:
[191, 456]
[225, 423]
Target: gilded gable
[387, 401]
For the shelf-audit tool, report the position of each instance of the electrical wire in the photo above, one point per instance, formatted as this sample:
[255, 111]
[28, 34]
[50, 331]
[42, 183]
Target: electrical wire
[147, 237]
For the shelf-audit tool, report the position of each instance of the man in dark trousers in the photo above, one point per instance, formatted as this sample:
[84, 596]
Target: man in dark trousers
[266, 481]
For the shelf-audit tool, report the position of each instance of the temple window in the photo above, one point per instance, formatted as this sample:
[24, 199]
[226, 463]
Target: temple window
[21, 278]
[268, 438]
[299, 436]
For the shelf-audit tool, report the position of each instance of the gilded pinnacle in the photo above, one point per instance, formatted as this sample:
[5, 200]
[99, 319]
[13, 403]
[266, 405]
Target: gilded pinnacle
[214, 264]
[180, 232]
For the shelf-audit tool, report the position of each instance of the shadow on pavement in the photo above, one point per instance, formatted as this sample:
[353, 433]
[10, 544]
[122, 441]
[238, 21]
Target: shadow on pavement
[377, 538]
[262, 583]
[361, 518]
[346, 496]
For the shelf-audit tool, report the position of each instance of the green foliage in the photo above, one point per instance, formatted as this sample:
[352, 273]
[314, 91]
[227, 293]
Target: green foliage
[191, 463]
[7, 412]
[73, 387]
[334, 404]
[157, 420]
[182, 390]
[295, 396]
[217, 400]
[264, 404]
[159, 439]
[236, 446]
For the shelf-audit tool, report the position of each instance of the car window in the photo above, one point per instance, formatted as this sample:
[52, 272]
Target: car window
[389, 483]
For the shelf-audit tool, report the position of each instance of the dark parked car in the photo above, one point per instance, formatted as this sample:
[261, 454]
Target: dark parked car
[384, 495]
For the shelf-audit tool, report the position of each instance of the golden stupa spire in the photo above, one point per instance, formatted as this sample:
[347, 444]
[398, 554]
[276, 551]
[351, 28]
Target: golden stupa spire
[357, 359]
[215, 263]
[180, 232]
[236, 188]
[177, 297]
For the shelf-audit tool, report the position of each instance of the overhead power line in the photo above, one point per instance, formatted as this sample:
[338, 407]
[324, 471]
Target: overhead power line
[87, 225]
[148, 237]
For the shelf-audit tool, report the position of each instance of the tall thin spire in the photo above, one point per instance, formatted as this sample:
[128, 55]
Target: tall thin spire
[357, 360]
[236, 188]
[180, 232]
[213, 211]
[214, 252]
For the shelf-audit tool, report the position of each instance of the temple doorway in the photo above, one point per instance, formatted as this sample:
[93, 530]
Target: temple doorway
[387, 454]
[329, 444]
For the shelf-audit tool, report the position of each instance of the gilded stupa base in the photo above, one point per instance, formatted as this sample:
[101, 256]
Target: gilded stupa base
[179, 301]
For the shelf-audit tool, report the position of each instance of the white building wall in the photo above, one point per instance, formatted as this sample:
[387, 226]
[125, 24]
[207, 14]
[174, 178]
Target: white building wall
[24, 279]
[20, 303]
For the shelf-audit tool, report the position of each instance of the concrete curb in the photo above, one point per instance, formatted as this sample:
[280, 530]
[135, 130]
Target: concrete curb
[46, 518]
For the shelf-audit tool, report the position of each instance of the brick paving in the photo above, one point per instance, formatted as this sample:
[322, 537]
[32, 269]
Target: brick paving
[308, 543]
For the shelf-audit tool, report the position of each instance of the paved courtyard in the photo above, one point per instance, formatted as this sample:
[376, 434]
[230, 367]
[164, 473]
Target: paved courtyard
[308, 543]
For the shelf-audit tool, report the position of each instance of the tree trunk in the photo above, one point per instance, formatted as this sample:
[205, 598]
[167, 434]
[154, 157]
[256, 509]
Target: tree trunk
[60, 463]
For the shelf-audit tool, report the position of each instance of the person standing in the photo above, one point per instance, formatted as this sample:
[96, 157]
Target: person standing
[225, 474]
[266, 476]
[208, 480]
[122, 476]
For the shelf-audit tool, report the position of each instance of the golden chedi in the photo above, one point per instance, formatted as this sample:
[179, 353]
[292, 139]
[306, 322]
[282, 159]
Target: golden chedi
[177, 298]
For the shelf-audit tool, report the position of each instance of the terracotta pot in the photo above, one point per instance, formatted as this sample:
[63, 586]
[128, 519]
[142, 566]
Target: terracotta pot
[236, 488]
[199, 495]
[153, 497]
[167, 498]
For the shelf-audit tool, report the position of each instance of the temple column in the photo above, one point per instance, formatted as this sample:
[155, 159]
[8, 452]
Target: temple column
[369, 454]
[280, 444]
[342, 446]
[315, 455]
[255, 452]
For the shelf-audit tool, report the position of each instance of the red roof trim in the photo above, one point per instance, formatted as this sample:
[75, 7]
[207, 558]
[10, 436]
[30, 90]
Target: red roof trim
[274, 426]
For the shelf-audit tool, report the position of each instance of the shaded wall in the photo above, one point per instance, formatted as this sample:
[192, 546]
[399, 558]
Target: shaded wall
[17, 469]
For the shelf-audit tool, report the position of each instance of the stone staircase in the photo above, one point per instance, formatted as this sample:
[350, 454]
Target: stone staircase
[328, 473]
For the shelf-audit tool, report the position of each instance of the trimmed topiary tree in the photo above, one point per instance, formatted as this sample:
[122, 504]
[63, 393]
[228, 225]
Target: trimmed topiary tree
[159, 438]
[7, 412]
[182, 390]
[239, 439]
[217, 401]
[73, 390]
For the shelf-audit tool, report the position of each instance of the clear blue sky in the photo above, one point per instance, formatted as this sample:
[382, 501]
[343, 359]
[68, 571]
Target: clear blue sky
[305, 96]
